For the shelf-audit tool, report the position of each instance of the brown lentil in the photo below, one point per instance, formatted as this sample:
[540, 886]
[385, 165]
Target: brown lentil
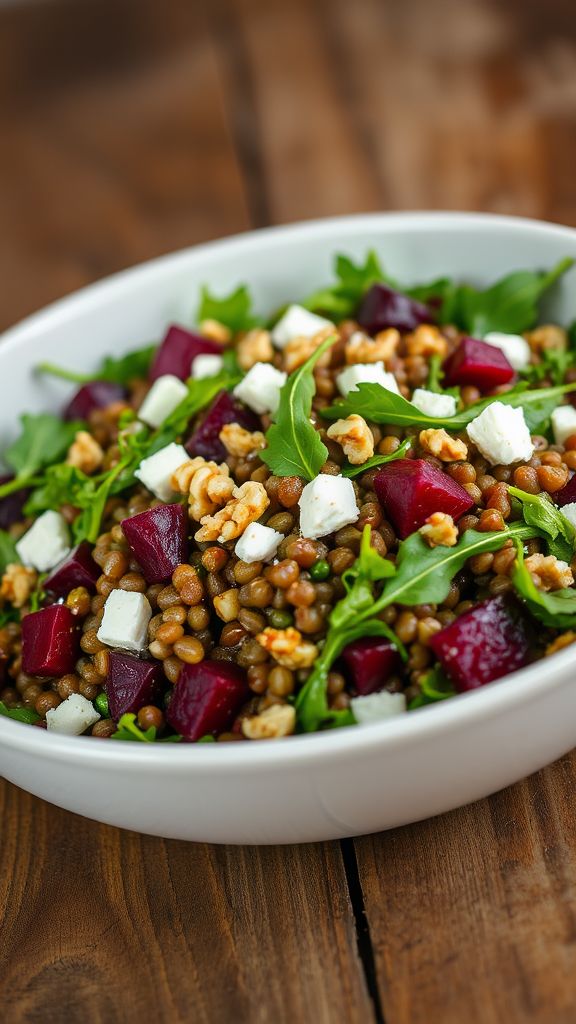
[189, 650]
[133, 583]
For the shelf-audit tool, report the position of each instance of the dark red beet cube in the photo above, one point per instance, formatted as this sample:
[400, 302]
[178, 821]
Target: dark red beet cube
[410, 490]
[12, 506]
[489, 641]
[383, 307]
[567, 494]
[475, 362]
[96, 395]
[77, 569]
[371, 661]
[178, 350]
[205, 440]
[49, 642]
[159, 540]
[207, 698]
[132, 684]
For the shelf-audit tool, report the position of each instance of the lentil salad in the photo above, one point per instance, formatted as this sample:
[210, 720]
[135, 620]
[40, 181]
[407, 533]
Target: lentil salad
[257, 529]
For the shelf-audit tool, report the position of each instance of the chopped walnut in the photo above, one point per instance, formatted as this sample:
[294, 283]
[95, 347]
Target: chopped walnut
[240, 442]
[276, 721]
[361, 349]
[216, 331]
[85, 453]
[562, 641]
[298, 350]
[546, 337]
[18, 582]
[426, 340]
[254, 347]
[442, 446]
[207, 485]
[549, 572]
[288, 648]
[247, 505]
[439, 530]
[355, 436]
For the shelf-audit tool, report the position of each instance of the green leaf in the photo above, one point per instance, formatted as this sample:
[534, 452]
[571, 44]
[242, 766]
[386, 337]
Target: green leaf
[434, 374]
[25, 715]
[134, 365]
[233, 310]
[44, 440]
[8, 554]
[128, 729]
[376, 460]
[200, 394]
[60, 485]
[433, 687]
[294, 447]
[353, 280]
[556, 610]
[539, 511]
[554, 365]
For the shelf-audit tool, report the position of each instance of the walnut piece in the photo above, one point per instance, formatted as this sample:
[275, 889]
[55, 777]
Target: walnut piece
[549, 572]
[288, 648]
[426, 340]
[361, 349]
[560, 642]
[355, 437]
[216, 331]
[207, 484]
[254, 347]
[85, 453]
[546, 337]
[18, 582]
[442, 445]
[439, 530]
[247, 505]
[299, 349]
[240, 442]
[276, 721]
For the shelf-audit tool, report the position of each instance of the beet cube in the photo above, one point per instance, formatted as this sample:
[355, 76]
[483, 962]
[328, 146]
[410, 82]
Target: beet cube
[489, 641]
[383, 307]
[49, 642]
[371, 661]
[206, 698]
[77, 569]
[205, 440]
[96, 395]
[12, 506]
[178, 350]
[132, 684]
[158, 538]
[410, 490]
[475, 362]
[567, 494]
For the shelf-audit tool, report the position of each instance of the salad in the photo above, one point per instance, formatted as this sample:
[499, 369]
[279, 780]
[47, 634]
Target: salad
[360, 506]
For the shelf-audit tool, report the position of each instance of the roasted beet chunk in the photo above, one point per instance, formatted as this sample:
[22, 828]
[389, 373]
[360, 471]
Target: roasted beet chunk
[207, 698]
[12, 506]
[370, 662]
[132, 684]
[382, 307]
[205, 440]
[489, 641]
[77, 569]
[49, 642]
[178, 350]
[475, 362]
[96, 395]
[158, 538]
[567, 494]
[410, 490]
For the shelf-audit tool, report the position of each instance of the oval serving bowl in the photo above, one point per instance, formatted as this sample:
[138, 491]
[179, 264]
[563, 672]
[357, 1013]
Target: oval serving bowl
[327, 785]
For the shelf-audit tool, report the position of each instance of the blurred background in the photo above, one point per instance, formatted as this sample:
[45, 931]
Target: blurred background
[132, 127]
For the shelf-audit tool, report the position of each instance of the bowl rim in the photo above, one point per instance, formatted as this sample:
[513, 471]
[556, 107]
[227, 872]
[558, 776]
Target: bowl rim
[522, 687]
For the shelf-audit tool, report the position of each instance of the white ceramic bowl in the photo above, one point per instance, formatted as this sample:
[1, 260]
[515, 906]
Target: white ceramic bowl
[324, 786]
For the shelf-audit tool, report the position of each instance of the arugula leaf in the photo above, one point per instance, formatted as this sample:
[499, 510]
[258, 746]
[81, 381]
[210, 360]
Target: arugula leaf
[294, 447]
[128, 729]
[433, 687]
[233, 310]
[376, 460]
[554, 364]
[434, 374]
[60, 485]
[26, 715]
[353, 280]
[8, 554]
[200, 394]
[539, 511]
[132, 366]
[556, 610]
[44, 440]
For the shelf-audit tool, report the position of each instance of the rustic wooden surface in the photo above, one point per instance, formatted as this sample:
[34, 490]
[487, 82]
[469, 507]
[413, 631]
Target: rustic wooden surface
[132, 128]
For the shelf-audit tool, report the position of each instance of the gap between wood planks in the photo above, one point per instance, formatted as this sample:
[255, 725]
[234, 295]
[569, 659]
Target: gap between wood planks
[363, 936]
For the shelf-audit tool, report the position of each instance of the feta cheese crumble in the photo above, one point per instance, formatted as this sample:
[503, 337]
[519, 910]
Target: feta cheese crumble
[501, 435]
[165, 394]
[563, 423]
[72, 717]
[46, 543]
[513, 346]
[431, 404]
[327, 504]
[260, 388]
[258, 543]
[297, 322]
[206, 365]
[569, 512]
[156, 471]
[365, 373]
[375, 707]
[125, 621]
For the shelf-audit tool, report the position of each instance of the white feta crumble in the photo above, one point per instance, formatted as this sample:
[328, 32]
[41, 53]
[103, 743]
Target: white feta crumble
[156, 471]
[258, 543]
[297, 322]
[327, 504]
[563, 423]
[501, 435]
[73, 716]
[432, 404]
[125, 621]
[374, 707]
[260, 388]
[206, 365]
[365, 373]
[513, 346]
[569, 512]
[165, 394]
[46, 543]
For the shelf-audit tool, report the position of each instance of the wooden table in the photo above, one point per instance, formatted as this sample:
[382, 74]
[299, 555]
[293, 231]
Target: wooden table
[132, 128]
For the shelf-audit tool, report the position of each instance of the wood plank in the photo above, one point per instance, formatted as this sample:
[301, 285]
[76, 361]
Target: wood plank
[100, 925]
